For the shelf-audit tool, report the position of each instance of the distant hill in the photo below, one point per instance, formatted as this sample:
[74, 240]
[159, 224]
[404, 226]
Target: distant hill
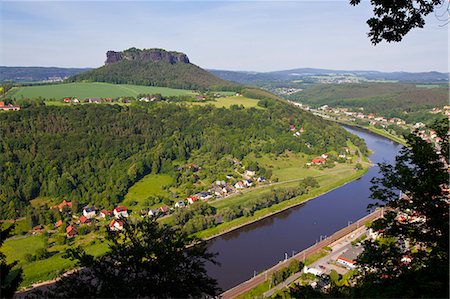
[153, 67]
[407, 101]
[37, 74]
[312, 75]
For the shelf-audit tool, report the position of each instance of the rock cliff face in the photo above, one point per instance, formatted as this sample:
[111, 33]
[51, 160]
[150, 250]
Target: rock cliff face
[153, 55]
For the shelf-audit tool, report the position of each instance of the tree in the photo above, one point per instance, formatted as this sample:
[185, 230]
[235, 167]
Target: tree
[145, 259]
[10, 275]
[410, 259]
[393, 19]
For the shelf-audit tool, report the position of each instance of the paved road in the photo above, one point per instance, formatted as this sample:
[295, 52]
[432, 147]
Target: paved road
[338, 248]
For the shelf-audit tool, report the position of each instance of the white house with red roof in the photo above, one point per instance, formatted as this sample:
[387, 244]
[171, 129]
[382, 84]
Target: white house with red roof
[239, 185]
[164, 208]
[120, 211]
[115, 225]
[348, 258]
[191, 199]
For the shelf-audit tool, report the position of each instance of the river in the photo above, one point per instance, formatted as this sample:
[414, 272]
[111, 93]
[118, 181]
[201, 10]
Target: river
[260, 245]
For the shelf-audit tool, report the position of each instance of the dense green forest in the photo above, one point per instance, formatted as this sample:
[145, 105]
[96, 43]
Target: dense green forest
[160, 73]
[93, 154]
[406, 101]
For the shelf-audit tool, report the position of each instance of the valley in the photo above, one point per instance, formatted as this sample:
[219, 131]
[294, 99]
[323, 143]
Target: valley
[207, 157]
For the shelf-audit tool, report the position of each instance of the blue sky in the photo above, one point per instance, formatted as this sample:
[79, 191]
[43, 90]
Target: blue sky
[233, 35]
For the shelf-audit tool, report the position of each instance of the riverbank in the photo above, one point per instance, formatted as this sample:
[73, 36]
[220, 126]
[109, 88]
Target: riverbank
[259, 215]
[246, 287]
[374, 130]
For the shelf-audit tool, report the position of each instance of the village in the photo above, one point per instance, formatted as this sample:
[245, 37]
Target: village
[378, 121]
[94, 216]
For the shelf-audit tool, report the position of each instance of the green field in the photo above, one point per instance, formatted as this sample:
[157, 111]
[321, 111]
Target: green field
[150, 185]
[230, 100]
[91, 90]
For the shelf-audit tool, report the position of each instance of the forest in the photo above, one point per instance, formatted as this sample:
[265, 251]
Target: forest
[94, 153]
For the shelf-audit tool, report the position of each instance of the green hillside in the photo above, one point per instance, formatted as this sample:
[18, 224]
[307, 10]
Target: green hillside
[95, 153]
[153, 67]
[89, 90]
[406, 101]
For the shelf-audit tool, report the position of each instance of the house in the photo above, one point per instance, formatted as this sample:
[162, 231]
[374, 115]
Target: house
[216, 190]
[62, 205]
[302, 130]
[71, 231]
[318, 161]
[75, 100]
[348, 258]
[239, 185]
[164, 209]
[248, 183]
[291, 127]
[227, 189]
[221, 183]
[115, 225]
[8, 107]
[313, 271]
[191, 199]
[229, 176]
[105, 213]
[325, 156]
[153, 212]
[58, 223]
[89, 212]
[261, 179]
[83, 219]
[296, 134]
[204, 195]
[120, 211]
[67, 100]
[95, 100]
[180, 204]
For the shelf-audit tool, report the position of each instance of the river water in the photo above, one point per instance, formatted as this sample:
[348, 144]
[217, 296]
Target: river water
[260, 245]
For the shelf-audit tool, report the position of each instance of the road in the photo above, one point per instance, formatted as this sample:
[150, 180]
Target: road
[255, 281]
[338, 248]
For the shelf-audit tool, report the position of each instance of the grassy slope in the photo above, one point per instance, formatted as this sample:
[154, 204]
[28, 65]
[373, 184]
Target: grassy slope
[149, 185]
[86, 90]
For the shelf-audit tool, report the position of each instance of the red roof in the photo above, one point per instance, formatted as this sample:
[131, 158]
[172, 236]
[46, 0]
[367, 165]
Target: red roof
[113, 222]
[164, 208]
[83, 219]
[71, 231]
[64, 203]
[58, 223]
[347, 260]
[120, 209]
[106, 212]
[318, 160]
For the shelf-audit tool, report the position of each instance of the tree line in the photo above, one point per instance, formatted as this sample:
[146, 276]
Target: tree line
[93, 154]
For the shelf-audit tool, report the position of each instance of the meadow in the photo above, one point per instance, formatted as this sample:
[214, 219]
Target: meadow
[150, 185]
[230, 100]
[91, 90]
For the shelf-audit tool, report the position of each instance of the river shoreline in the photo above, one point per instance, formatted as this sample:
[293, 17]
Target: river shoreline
[260, 218]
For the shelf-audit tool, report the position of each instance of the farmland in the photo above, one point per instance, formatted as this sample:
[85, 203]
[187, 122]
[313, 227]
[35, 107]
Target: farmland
[91, 90]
